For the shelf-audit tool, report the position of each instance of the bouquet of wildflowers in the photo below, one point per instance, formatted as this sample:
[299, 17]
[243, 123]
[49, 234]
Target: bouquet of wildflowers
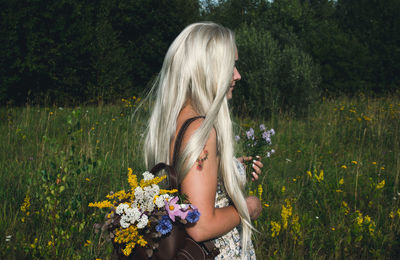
[257, 142]
[145, 213]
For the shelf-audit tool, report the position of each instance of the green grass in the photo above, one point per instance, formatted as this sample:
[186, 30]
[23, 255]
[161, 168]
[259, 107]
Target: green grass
[62, 159]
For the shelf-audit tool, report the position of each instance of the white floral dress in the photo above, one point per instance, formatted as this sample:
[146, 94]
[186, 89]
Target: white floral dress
[230, 244]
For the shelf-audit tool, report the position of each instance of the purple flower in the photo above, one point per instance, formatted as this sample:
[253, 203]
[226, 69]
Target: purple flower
[262, 127]
[267, 137]
[237, 138]
[174, 210]
[272, 131]
[193, 216]
[250, 134]
[164, 226]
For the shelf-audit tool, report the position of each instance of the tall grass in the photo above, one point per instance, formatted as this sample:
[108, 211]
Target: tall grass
[331, 190]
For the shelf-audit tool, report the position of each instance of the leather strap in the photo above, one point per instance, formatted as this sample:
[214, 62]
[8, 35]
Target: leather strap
[179, 138]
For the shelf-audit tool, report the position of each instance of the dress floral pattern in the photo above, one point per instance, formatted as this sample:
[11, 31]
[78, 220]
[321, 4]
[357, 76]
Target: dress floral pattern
[230, 244]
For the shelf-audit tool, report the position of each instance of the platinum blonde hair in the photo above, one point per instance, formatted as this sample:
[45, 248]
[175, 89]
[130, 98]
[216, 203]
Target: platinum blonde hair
[198, 68]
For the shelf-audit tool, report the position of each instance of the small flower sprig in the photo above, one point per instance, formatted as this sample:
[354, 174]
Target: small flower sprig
[145, 213]
[257, 142]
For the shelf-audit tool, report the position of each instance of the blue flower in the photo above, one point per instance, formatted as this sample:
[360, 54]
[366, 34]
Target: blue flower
[193, 216]
[164, 226]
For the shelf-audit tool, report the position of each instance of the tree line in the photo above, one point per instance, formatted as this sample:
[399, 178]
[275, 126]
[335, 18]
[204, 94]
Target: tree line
[290, 51]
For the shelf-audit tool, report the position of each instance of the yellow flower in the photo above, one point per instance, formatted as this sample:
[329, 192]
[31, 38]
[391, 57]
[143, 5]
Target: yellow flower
[320, 177]
[25, 206]
[338, 191]
[359, 220]
[366, 118]
[382, 168]
[391, 214]
[286, 213]
[294, 179]
[275, 228]
[341, 181]
[398, 213]
[88, 242]
[49, 243]
[380, 185]
[283, 189]
[87, 179]
[260, 191]
[344, 166]
[309, 174]
[266, 205]
[346, 207]
[374, 163]
[101, 204]
[367, 219]
[332, 228]
[355, 162]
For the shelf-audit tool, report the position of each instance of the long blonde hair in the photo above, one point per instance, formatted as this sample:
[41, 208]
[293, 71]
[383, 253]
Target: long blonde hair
[198, 67]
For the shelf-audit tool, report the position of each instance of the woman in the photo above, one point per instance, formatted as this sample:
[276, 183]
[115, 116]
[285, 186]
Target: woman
[197, 78]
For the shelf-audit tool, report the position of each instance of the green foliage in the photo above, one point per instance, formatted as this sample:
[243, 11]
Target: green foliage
[273, 78]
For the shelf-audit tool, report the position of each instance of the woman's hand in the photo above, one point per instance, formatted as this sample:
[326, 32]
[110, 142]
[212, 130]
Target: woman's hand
[254, 207]
[256, 165]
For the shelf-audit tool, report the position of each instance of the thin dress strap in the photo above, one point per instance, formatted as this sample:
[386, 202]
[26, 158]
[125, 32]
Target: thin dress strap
[179, 138]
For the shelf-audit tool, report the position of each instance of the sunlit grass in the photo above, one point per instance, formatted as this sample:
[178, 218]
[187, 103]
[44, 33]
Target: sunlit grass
[330, 190]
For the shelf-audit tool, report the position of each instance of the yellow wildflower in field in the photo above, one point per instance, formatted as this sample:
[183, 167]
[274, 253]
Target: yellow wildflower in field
[283, 189]
[88, 242]
[354, 162]
[382, 168]
[374, 163]
[309, 174]
[320, 177]
[345, 207]
[371, 227]
[380, 185]
[367, 219]
[391, 215]
[266, 205]
[359, 220]
[338, 191]
[344, 166]
[286, 213]
[275, 228]
[366, 118]
[398, 213]
[260, 191]
[341, 181]
[25, 206]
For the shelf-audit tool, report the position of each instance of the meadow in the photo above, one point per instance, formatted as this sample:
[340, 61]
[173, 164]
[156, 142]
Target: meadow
[330, 190]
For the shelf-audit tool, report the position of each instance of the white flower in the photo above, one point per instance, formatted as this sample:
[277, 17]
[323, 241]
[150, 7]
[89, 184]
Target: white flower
[268, 154]
[133, 214]
[160, 202]
[124, 222]
[272, 151]
[121, 208]
[147, 176]
[139, 193]
[143, 222]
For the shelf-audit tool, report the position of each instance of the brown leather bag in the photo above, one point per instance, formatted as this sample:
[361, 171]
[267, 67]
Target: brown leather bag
[177, 244]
